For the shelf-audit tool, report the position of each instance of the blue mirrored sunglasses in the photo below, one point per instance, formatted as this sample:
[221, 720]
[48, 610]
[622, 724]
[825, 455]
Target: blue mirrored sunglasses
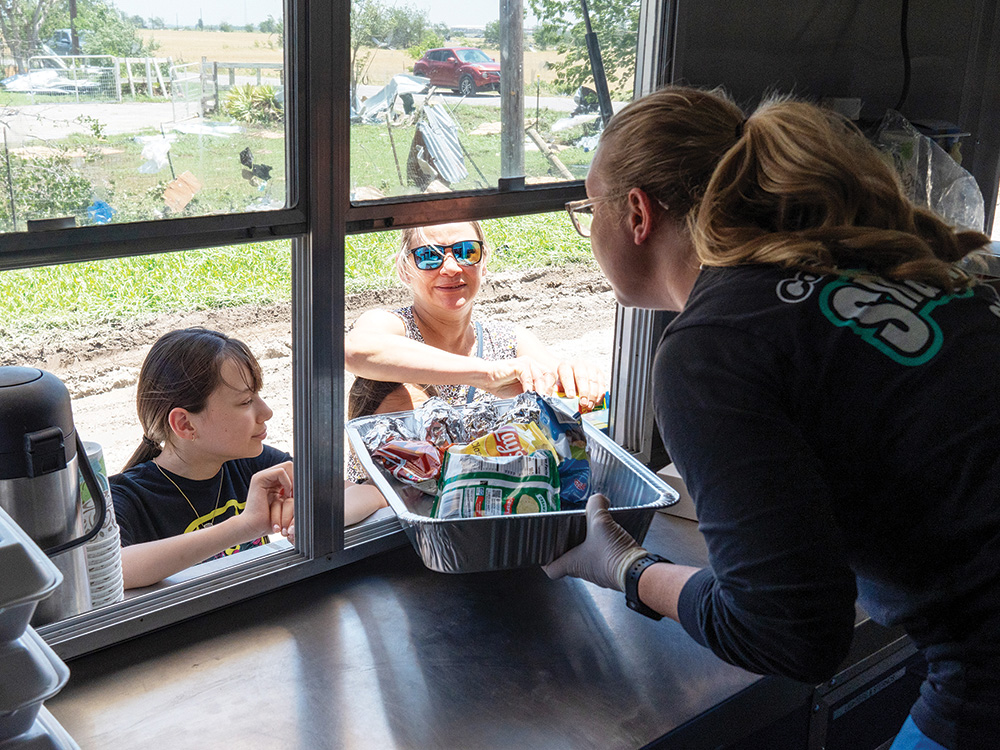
[466, 253]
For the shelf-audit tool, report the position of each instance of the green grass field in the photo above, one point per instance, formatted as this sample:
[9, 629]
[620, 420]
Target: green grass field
[73, 294]
[78, 294]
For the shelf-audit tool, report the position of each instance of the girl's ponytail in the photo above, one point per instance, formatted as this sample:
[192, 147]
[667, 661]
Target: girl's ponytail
[148, 450]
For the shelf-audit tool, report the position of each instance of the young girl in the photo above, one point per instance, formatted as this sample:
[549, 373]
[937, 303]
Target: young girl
[202, 484]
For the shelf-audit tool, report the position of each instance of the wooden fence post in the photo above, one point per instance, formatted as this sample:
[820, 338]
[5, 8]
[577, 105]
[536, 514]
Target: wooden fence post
[512, 89]
[159, 77]
[128, 72]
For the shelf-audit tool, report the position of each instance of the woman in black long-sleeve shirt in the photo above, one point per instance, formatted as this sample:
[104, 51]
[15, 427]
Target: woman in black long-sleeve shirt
[826, 393]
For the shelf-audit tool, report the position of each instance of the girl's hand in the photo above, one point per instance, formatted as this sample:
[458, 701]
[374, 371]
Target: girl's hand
[270, 501]
[509, 377]
[583, 380]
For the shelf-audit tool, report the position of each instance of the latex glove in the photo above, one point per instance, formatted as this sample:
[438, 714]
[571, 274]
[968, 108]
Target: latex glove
[605, 555]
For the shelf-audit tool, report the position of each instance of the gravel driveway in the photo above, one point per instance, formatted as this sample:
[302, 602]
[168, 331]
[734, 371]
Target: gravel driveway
[29, 124]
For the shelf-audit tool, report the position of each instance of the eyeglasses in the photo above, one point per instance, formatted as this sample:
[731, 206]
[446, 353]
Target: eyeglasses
[465, 253]
[582, 212]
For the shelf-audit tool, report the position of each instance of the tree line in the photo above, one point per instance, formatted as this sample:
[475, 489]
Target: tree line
[26, 24]
[102, 29]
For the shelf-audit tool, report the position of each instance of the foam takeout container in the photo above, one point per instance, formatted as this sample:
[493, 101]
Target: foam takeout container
[468, 545]
[30, 673]
[28, 577]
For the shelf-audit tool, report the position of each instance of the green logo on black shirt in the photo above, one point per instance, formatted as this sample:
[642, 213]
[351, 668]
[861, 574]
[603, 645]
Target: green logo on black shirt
[894, 317]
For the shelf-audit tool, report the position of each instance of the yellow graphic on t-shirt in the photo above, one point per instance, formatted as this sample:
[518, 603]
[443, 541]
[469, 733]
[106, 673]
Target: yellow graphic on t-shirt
[209, 518]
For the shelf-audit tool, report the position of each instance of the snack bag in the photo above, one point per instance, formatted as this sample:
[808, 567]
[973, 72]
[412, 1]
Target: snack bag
[570, 441]
[471, 485]
[415, 462]
[508, 440]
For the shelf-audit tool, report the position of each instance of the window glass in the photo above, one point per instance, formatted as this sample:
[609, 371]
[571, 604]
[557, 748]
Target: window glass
[432, 110]
[92, 324]
[117, 112]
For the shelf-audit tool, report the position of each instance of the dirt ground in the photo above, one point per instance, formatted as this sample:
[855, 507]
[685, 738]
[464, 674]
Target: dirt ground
[571, 309]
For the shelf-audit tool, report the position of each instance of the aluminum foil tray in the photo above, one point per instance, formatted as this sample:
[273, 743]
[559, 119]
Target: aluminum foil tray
[470, 545]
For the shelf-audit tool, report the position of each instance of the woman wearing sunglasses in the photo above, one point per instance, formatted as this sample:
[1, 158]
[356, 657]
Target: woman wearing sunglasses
[437, 339]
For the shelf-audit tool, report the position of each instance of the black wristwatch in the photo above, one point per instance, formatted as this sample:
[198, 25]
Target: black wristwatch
[632, 585]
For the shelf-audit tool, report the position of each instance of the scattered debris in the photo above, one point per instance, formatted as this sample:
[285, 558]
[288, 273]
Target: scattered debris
[47, 81]
[100, 212]
[28, 152]
[365, 193]
[378, 105]
[586, 101]
[261, 172]
[180, 191]
[550, 154]
[436, 150]
[156, 152]
[487, 128]
[198, 126]
[565, 123]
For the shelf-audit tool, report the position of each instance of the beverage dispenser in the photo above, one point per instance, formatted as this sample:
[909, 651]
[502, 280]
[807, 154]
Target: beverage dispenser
[40, 455]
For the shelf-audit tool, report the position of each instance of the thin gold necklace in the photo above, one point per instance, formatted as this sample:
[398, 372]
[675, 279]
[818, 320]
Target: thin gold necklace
[196, 516]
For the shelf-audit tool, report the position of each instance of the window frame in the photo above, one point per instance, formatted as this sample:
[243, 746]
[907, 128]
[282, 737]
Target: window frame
[317, 220]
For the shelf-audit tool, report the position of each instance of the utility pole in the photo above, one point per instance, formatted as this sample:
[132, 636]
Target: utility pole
[597, 66]
[511, 89]
[74, 39]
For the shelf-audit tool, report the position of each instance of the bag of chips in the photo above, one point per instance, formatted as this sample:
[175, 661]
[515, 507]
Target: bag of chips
[508, 440]
[473, 485]
[567, 435]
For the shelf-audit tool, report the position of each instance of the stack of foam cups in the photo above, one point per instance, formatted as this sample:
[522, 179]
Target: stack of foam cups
[104, 554]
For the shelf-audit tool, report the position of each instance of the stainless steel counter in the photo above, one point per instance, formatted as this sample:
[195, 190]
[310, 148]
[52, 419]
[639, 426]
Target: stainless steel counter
[386, 654]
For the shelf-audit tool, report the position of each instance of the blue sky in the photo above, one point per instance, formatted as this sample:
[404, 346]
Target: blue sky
[240, 12]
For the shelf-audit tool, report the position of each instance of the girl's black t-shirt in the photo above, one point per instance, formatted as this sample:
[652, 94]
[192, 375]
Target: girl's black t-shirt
[151, 504]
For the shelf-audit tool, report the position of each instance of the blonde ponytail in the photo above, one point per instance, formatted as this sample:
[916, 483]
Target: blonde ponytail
[804, 189]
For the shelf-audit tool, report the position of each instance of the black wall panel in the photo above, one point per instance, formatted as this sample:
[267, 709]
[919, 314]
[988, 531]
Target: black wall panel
[815, 49]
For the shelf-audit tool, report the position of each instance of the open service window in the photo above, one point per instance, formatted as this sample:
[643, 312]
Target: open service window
[231, 172]
[461, 111]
